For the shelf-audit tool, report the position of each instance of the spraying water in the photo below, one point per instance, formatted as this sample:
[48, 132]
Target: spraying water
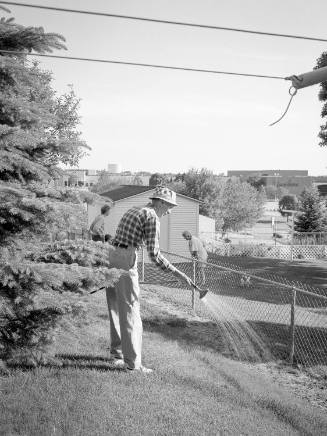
[239, 335]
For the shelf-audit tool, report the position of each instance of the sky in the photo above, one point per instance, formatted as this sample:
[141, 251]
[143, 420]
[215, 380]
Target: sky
[171, 121]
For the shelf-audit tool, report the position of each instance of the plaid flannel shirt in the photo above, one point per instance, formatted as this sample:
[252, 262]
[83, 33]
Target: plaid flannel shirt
[141, 225]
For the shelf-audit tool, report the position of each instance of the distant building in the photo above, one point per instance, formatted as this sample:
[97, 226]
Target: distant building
[114, 168]
[267, 173]
[321, 183]
[80, 178]
[294, 181]
[86, 178]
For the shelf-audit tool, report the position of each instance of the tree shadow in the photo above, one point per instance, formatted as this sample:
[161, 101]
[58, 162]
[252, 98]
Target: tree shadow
[310, 343]
[71, 360]
[188, 333]
[270, 341]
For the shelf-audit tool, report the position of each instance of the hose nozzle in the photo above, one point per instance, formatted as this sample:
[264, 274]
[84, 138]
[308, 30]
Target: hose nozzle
[202, 292]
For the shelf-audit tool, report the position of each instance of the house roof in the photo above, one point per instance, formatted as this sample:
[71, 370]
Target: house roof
[126, 191]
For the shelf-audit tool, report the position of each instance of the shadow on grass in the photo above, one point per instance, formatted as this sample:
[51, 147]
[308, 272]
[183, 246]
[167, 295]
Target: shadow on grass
[310, 343]
[69, 360]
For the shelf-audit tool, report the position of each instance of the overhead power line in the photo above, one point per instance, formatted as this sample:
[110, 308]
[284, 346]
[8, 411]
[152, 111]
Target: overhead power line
[154, 20]
[137, 64]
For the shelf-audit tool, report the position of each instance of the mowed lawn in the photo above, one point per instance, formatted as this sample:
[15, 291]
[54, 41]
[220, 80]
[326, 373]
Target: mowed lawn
[194, 389]
[309, 272]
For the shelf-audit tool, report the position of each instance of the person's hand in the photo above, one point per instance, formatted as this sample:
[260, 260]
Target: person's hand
[180, 275]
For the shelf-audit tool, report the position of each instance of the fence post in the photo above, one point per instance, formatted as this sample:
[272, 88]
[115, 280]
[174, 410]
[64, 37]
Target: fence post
[143, 268]
[292, 237]
[292, 327]
[194, 281]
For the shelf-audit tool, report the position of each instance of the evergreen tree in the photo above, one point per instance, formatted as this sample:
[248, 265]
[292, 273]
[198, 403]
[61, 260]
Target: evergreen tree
[313, 217]
[38, 131]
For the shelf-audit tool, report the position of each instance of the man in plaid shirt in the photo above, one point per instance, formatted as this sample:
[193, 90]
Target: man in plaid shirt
[138, 225]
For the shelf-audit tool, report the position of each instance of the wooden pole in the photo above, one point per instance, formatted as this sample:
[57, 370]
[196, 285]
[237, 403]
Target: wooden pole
[292, 327]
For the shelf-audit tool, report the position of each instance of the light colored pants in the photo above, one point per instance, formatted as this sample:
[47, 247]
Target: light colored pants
[124, 308]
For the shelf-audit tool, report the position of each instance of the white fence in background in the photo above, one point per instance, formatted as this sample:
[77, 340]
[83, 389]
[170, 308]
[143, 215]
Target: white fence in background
[289, 252]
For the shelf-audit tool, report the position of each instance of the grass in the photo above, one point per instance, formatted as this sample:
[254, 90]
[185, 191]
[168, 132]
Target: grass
[312, 273]
[194, 389]
[264, 306]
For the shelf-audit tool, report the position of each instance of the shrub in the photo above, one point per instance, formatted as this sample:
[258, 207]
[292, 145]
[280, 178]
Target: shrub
[277, 235]
[35, 296]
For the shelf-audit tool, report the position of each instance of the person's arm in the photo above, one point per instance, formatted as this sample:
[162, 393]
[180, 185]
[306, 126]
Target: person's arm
[193, 250]
[97, 227]
[152, 234]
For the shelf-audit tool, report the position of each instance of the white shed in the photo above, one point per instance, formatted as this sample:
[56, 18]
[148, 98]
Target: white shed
[206, 228]
[183, 217]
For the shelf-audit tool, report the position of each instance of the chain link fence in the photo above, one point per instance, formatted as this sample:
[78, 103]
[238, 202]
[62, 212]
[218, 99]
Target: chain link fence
[261, 317]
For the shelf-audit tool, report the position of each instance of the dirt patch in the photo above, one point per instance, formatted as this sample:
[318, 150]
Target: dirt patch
[310, 384]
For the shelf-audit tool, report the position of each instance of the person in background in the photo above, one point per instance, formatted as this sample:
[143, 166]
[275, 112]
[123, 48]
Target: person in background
[97, 227]
[138, 226]
[198, 252]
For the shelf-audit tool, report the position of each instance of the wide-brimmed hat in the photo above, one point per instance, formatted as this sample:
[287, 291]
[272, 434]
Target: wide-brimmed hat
[165, 194]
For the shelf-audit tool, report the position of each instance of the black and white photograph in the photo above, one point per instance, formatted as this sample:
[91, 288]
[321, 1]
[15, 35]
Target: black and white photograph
[163, 218]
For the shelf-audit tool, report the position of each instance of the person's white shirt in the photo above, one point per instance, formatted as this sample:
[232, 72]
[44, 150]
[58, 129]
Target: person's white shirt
[195, 244]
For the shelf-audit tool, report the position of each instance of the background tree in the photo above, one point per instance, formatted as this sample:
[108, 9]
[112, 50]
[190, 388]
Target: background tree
[158, 179]
[289, 202]
[313, 217]
[322, 62]
[107, 181]
[205, 186]
[137, 180]
[38, 131]
[233, 204]
[256, 182]
[241, 205]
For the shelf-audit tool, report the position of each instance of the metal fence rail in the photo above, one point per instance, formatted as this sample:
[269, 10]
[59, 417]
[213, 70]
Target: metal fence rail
[261, 317]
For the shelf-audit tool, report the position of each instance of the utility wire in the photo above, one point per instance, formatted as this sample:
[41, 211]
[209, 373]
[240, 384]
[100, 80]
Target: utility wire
[137, 64]
[154, 20]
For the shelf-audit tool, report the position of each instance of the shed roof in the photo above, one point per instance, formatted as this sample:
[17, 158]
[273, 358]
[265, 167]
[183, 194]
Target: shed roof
[126, 191]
